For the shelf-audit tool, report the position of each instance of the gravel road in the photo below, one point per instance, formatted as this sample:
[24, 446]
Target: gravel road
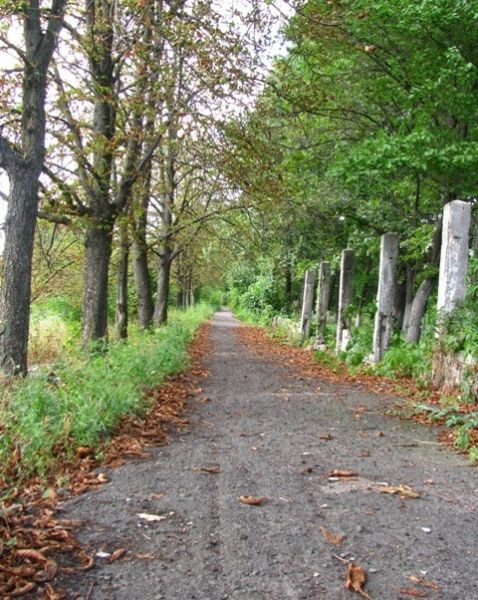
[271, 433]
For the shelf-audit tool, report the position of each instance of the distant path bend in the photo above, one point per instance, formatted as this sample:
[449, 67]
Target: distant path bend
[269, 432]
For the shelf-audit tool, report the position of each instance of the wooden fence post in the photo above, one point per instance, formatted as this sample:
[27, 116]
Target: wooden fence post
[307, 304]
[347, 265]
[323, 301]
[384, 317]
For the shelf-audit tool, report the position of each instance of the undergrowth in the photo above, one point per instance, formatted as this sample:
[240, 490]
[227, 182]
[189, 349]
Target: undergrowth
[79, 400]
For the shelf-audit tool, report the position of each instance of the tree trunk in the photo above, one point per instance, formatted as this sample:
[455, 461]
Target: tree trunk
[122, 289]
[419, 304]
[162, 291]
[95, 293]
[17, 271]
[418, 308]
[23, 165]
[409, 285]
[142, 280]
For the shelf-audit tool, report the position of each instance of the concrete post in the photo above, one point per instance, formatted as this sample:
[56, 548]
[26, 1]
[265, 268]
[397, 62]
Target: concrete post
[384, 317]
[454, 255]
[448, 367]
[323, 301]
[307, 304]
[347, 266]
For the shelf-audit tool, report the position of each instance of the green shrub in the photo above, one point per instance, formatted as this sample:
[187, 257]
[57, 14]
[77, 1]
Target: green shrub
[81, 399]
[406, 360]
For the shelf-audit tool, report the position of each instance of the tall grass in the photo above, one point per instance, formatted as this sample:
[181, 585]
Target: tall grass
[80, 400]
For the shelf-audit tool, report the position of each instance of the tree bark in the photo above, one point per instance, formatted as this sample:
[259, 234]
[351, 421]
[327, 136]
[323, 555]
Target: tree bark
[17, 271]
[122, 289]
[142, 277]
[409, 284]
[419, 304]
[95, 294]
[23, 168]
[162, 291]
[418, 308]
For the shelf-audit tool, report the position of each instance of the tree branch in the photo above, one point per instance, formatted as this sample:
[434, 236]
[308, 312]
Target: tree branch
[9, 158]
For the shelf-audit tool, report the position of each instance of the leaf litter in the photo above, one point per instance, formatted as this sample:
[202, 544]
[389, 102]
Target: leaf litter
[35, 544]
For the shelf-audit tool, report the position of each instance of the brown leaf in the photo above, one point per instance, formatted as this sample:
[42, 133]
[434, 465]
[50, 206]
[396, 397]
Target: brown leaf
[215, 469]
[48, 573]
[83, 451]
[253, 500]
[103, 478]
[331, 537]
[403, 490]
[21, 571]
[117, 554]
[32, 555]
[26, 589]
[356, 578]
[327, 437]
[425, 582]
[413, 592]
[341, 473]
[53, 594]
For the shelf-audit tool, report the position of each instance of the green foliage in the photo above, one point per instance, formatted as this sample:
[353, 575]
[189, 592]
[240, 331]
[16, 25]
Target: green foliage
[462, 325]
[81, 399]
[463, 423]
[405, 360]
[210, 295]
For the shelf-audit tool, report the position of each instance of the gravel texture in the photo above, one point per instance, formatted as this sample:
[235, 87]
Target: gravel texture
[268, 430]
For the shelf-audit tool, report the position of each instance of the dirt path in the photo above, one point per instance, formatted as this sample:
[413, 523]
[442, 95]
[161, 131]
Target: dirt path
[266, 430]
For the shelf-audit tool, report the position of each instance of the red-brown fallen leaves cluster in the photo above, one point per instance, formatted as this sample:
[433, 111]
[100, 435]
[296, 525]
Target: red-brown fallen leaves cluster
[256, 339]
[35, 545]
[32, 538]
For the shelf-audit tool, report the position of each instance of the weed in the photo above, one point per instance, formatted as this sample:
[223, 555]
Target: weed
[80, 400]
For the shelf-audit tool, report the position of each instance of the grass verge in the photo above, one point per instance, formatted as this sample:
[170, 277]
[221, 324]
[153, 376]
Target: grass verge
[81, 399]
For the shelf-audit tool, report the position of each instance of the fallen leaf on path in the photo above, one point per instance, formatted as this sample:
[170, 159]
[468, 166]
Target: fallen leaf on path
[364, 454]
[103, 478]
[341, 473]
[413, 592]
[331, 537]
[253, 500]
[326, 437]
[214, 469]
[425, 582]
[404, 491]
[151, 518]
[48, 573]
[356, 579]
[32, 555]
[117, 554]
[52, 594]
[23, 591]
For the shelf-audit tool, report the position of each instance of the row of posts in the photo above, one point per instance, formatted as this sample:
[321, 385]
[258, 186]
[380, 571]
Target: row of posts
[451, 286]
